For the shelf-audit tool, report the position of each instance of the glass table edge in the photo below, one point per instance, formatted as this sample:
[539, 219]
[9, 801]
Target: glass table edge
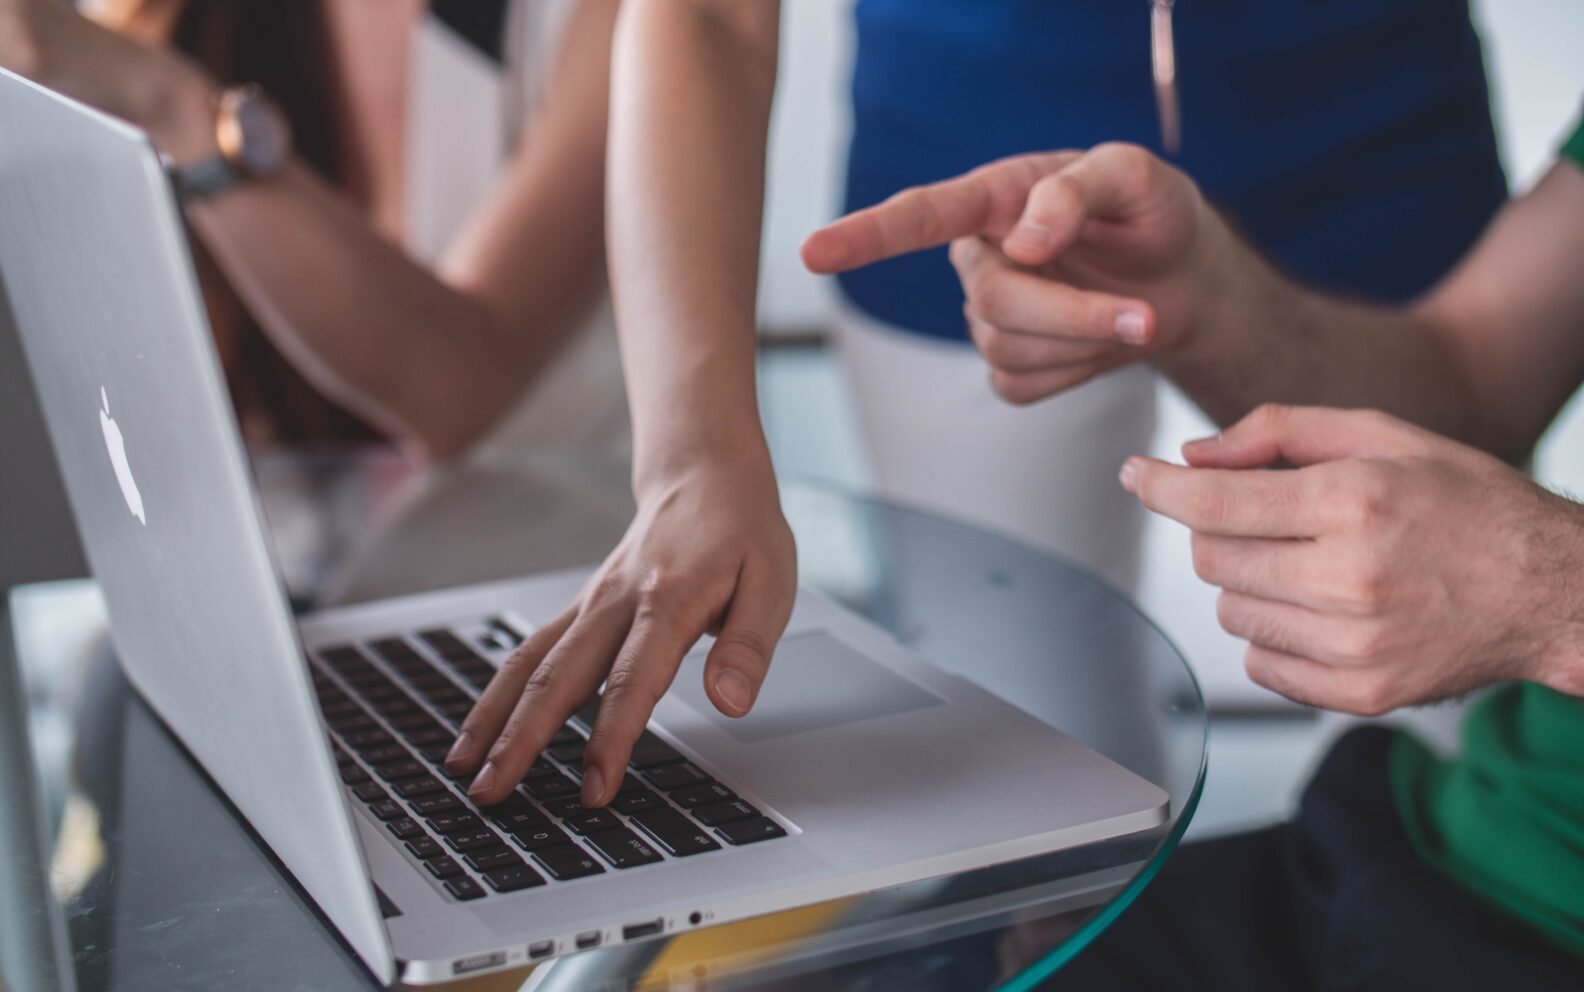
[1037, 972]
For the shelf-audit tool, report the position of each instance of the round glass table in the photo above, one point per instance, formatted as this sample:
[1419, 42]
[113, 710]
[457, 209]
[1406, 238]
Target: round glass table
[132, 872]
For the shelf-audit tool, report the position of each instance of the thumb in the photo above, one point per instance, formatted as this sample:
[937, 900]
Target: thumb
[1304, 435]
[1109, 182]
[740, 658]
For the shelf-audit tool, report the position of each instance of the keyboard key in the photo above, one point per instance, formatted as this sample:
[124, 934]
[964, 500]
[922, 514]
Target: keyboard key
[471, 840]
[563, 808]
[457, 712]
[386, 809]
[520, 820]
[637, 801]
[436, 735]
[702, 795]
[404, 828]
[434, 805]
[667, 778]
[351, 723]
[506, 629]
[370, 792]
[414, 721]
[591, 821]
[651, 751]
[567, 861]
[491, 858]
[444, 642]
[623, 848]
[566, 735]
[459, 821]
[715, 814]
[750, 831]
[540, 768]
[366, 739]
[464, 888]
[424, 848]
[436, 753]
[676, 835]
[550, 787]
[536, 838]
[443, 866]
[413, 788]
[385, 755]
[569, 754]
[353, 774]
[396, 771]
[513, 878]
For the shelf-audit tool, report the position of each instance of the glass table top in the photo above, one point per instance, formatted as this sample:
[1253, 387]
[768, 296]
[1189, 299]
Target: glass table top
[132, 872]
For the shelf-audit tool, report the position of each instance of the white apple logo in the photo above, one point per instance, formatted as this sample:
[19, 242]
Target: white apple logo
[118, 458]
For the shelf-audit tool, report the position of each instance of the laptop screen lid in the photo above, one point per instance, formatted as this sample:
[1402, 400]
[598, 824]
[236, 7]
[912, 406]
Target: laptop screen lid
[95, 265]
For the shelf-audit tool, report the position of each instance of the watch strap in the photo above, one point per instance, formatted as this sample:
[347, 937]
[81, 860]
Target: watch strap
[206, 177]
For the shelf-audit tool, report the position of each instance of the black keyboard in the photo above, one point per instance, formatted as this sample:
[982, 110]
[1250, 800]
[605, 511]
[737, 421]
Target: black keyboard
[393, 706]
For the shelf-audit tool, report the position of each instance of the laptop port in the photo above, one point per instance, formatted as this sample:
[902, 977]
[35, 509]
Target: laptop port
[588, 938]
[637, 931]
[478, 962]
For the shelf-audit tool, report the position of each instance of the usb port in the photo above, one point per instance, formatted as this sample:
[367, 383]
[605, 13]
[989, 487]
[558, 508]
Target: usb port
[540, 949]
[588, 938]
[635, 931]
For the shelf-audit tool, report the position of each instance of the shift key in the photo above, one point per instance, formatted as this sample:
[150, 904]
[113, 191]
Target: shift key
[676, 834]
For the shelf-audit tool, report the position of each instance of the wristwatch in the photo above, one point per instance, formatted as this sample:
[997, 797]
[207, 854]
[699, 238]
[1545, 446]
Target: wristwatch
[254, 142]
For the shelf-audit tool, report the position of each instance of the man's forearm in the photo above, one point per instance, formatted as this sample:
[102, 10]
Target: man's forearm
[690, 113]
[1257, 336]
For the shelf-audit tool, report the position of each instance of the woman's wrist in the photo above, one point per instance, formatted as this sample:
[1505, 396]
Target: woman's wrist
[657, 467]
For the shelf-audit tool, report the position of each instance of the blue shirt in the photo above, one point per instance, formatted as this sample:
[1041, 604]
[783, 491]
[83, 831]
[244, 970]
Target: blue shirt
[1350, 139]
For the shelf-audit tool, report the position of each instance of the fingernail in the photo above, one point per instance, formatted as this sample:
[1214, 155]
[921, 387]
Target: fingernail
[1031, 235]
[485, 780]
[593, 785]
[459, 750]
[1129, 475]
[735, 690]
[1130, 326]
[1199, 443]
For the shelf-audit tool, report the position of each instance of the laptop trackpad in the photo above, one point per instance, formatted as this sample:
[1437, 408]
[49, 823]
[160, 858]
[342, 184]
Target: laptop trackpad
[816, 682]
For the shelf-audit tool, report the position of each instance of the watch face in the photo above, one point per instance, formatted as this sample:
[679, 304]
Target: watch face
[252, 135]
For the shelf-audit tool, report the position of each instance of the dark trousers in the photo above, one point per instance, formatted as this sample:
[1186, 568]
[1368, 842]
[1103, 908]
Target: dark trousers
[1334, 899]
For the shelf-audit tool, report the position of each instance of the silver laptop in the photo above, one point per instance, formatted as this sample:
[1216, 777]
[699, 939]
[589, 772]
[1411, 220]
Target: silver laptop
[861, 767]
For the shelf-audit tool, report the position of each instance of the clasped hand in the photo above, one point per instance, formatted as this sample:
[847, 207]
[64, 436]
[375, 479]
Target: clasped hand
[1390, 567]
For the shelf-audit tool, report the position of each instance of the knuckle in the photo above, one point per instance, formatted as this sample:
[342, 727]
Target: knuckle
[1366, 696]
[1206, 559]
[997, 347]
[1270, 416]
[745, 644]
[627, 687]
[1364, 642]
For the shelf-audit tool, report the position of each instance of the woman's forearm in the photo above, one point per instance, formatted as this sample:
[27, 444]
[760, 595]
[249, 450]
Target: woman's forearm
[436, 355]
[370, 327]
[690, 110]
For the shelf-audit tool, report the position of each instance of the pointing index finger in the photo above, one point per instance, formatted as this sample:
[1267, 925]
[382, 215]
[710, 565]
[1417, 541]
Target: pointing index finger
[985, 201]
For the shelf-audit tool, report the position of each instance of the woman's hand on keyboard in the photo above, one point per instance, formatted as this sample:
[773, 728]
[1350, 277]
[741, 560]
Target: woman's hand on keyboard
[709, 551]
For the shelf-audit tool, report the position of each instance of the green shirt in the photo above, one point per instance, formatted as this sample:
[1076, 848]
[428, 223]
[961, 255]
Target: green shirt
[1506, 819]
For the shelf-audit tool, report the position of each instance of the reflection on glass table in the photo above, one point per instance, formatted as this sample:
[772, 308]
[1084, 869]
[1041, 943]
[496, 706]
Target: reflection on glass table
[155, 883]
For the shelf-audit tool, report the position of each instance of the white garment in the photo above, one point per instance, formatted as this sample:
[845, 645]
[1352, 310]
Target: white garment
[466, 116]
[940, 438]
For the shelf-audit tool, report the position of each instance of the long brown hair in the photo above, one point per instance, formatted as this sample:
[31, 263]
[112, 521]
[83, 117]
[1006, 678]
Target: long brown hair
[285, 46]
